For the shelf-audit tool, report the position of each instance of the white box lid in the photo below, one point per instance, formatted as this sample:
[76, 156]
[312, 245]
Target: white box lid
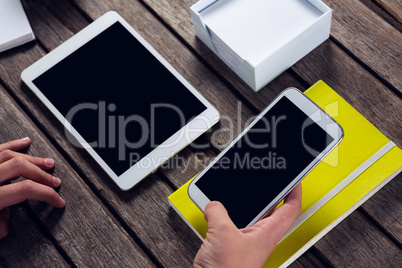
[254, 29]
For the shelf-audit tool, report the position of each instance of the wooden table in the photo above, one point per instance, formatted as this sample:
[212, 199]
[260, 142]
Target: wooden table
[103, 226]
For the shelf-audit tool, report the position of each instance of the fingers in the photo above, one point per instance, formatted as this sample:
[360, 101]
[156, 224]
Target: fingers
[280, 221]
[43, 163]
[7, 151]
[13, 165]
[15, 145]
[4, 216]
[20, 191]
[291, 208]
[217, 216]
[294, 199]
[19, 166]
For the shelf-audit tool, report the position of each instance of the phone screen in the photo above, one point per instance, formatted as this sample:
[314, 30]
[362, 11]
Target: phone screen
[264, 161]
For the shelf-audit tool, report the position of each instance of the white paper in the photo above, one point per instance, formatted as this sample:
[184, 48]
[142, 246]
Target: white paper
[14, 25]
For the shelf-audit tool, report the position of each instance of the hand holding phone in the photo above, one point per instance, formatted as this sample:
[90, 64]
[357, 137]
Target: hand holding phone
[272, 155]
[227, 246]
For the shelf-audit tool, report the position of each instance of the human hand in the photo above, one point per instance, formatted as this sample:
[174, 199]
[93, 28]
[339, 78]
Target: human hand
[228, 246]
[37, 186]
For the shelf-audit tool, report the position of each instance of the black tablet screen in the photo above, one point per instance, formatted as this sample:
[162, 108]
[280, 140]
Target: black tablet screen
[119, 97]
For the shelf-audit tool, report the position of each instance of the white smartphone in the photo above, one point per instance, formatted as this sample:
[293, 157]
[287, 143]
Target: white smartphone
[268, 159]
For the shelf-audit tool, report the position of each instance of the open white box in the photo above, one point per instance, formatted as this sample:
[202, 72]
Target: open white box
[259, 39]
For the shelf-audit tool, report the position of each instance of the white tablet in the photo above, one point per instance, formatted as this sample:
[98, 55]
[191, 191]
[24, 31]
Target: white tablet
[119, 99]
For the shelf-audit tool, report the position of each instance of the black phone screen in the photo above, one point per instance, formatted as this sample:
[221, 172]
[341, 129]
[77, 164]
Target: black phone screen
[264, 161]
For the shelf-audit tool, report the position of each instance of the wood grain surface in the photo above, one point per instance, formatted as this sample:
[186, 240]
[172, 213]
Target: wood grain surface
[26, 246]
[103, 226]
[382, 13]
[393, 7]
[370, 39]
[384, 209]
[374, 251]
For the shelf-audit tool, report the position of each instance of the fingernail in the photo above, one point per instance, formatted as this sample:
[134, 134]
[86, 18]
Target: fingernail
[49, 162]
[62, 202]
[56, 181]
[25, 140]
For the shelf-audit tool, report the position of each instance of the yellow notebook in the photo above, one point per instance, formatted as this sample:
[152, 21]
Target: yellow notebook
[364, 161]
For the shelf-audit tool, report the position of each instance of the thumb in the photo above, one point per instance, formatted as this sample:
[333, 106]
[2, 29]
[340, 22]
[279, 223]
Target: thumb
[217, 216]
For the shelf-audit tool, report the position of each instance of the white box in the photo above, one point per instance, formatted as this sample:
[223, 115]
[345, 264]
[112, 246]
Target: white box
[259, 39]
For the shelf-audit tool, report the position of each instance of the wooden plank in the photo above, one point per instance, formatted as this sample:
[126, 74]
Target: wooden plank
[182, 167]
[310, 259]
[369, 38]
[68, 20]
[65, 12]
[373, 251]
[25, 246]
[83, 229]
[385, 209]
[394, 7]
[381, 12]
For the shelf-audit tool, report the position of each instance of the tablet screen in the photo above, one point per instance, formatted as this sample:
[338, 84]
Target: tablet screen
[264, 161]
[119, 97]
